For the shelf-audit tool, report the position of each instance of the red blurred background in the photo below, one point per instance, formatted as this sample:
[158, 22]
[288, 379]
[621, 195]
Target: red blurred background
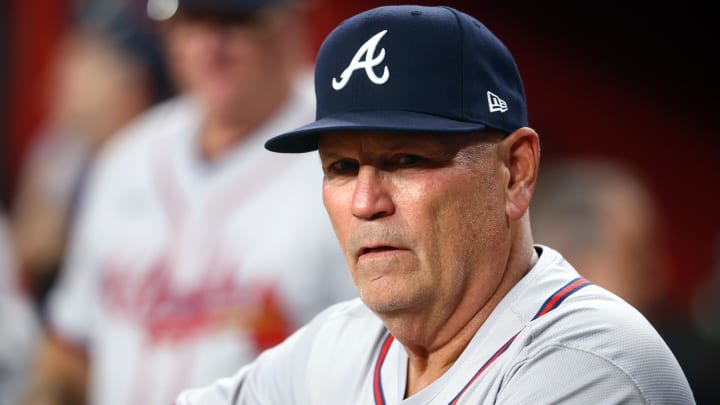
[627, 82]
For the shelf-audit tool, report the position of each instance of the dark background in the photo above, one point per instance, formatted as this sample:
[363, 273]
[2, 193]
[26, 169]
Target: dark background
[628, 82]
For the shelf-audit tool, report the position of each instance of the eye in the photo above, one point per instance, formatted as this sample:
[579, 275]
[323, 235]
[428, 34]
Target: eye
[408, 160]
[342, 166]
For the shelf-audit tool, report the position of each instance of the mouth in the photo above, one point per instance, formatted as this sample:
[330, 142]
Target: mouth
[377, 249]
[365, 250]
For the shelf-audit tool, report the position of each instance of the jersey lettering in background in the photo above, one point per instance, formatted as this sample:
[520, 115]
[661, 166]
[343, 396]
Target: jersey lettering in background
[216, 303]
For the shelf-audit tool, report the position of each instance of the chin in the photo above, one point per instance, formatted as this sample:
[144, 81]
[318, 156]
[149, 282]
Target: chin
[386, 304]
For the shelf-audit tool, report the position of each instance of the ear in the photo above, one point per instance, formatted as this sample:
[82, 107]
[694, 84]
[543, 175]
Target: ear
[521, 155]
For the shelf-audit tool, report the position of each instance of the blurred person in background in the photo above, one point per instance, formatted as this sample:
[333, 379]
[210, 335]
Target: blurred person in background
[603, 218]
[19, 325]
[105, 72]
[173, 277]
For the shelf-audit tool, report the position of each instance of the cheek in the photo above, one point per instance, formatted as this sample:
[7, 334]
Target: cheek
[337, 206]
[469, 217]
[188, 63]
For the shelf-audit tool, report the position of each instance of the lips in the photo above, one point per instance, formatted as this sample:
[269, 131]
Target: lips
[376, 240]
[375, 249]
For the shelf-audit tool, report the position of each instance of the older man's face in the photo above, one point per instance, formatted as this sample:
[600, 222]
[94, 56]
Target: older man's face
[417, 215]
[231, 61]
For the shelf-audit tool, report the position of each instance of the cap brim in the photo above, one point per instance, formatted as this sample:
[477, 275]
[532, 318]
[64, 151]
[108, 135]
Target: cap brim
[305, 138]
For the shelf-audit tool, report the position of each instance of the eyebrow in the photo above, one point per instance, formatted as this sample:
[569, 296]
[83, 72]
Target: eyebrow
[329, 154]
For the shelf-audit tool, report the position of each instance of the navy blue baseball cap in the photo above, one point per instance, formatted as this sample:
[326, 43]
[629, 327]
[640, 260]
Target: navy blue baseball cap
[164, 9]
[412, 69]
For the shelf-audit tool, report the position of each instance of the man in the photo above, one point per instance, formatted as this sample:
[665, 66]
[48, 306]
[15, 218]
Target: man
[429, 171]
[174, 277]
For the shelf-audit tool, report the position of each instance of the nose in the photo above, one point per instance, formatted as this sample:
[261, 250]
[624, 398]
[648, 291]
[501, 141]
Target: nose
[371, 197]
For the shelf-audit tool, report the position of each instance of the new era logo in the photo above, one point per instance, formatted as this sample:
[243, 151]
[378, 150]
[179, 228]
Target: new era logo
[495, 103]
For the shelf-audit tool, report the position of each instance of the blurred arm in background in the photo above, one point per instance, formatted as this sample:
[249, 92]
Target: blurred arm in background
[19, 325]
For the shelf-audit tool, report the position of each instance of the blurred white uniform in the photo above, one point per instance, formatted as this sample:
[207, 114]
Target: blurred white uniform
[183, 269]
[553, 339]
[19, 325]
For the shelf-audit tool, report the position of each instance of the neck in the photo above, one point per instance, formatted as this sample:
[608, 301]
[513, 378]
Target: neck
[223, 130]
[219, 137]
[434, 346]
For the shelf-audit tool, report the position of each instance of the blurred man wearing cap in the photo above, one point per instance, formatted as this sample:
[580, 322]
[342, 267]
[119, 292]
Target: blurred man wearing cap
[196, 248]
[429, 168]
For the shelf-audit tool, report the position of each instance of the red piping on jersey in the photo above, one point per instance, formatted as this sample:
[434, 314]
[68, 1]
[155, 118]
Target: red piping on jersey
[377, 385]
[551, 303]
[487, 364]
[559, 296]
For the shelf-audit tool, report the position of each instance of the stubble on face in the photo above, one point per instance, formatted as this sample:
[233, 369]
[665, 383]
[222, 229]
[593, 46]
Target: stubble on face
[384, 274]
[423, 256]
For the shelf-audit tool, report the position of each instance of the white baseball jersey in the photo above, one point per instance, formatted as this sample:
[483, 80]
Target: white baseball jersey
[182, 269]
[554, 338]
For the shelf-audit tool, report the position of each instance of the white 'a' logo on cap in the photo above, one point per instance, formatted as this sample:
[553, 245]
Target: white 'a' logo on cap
[367, 50]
